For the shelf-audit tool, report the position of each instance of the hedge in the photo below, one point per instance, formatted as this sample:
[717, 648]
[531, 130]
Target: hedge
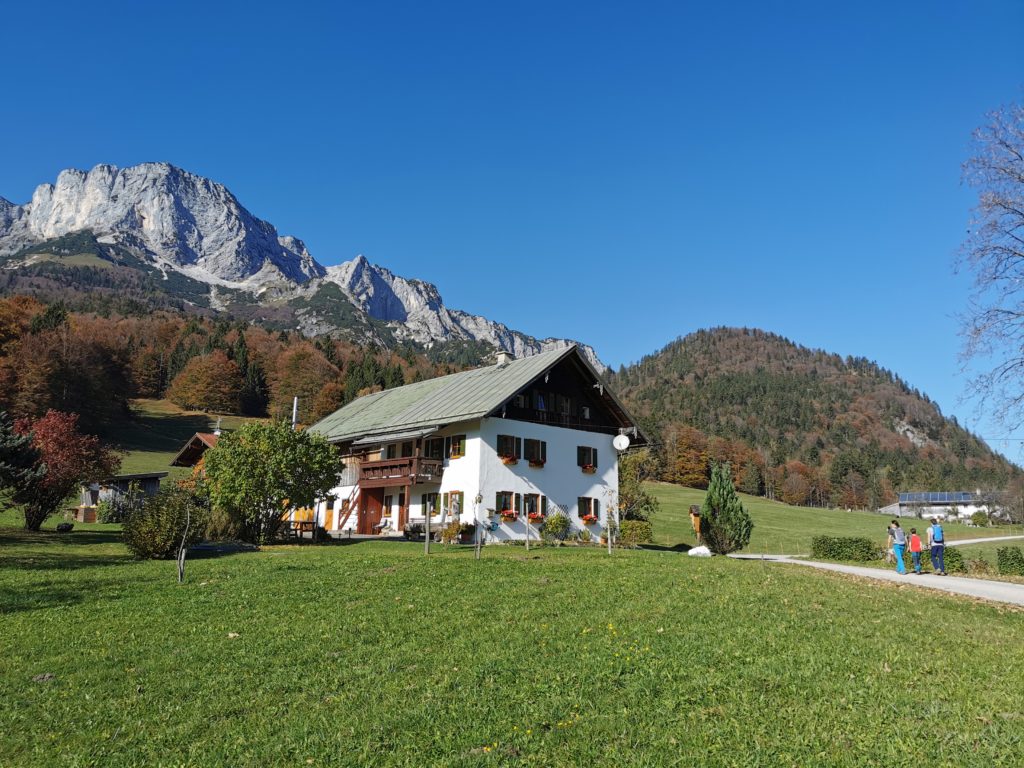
[1010, 561]
[855, 548]
[953, 558]
[634, 532]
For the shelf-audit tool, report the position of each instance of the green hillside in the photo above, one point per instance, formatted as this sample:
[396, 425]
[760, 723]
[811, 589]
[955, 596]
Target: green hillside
[799, 424]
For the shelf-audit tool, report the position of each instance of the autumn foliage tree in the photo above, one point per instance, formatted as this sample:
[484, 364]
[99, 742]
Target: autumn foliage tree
[70, 458]
[209, 382]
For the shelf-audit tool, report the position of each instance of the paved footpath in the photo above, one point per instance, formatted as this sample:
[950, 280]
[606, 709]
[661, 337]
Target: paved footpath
[996, 591]
[961, 542]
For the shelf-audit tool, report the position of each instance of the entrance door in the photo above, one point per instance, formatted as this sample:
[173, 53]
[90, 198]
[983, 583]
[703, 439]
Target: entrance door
[372, 505]
[403, 511]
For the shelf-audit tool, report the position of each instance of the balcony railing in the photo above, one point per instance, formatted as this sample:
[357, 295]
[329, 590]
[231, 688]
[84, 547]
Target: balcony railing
[412, 470]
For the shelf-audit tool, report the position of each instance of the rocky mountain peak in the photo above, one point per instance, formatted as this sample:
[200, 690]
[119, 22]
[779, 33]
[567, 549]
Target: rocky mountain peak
[174, 217]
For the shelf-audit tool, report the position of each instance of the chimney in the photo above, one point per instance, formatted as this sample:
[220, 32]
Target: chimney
[503, 357]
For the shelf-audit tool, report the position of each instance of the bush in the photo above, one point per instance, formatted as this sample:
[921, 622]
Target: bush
[979, 568]
[585, 536]
[635, 532]
[854, 548]
[979, 519]
[953, 558]
[450, 533]
[156, 529]
[1010, 561]
[121, 506]
[556, 527]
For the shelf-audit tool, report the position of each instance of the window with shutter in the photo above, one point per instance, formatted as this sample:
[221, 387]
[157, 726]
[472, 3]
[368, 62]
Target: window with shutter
[458, 447]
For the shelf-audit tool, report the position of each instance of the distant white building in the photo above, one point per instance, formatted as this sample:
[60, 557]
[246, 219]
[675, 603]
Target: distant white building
[945, 505]
[504, 445]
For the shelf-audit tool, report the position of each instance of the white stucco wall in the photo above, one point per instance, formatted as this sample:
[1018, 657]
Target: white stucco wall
[560, 479]
[481, 471]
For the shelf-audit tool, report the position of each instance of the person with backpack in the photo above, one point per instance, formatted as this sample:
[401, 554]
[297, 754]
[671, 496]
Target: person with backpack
[898, 541]
[915, 550]
[937, 543]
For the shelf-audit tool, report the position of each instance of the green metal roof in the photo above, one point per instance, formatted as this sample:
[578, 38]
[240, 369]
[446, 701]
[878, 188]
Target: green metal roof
[433, 403]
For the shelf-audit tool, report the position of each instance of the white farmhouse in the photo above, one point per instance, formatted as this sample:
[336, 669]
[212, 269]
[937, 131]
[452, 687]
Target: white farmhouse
[504, 445]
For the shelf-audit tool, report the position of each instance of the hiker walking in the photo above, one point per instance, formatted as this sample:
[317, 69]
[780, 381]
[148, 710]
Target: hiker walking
[888, 545]
[915, 550]
[898, 542]
[937, 543]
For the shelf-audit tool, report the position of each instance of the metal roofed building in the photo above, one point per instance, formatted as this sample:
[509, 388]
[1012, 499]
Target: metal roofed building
[952, 505]
[526, 437]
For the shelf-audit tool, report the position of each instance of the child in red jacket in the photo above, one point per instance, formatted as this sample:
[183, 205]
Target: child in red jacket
[915, 550]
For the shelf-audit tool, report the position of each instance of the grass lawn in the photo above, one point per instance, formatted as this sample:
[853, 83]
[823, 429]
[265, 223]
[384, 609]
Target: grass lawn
[157, 431]
[369, 653]
[782, 529]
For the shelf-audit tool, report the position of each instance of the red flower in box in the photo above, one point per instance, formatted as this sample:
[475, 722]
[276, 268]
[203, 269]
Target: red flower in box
[509, 460]
[509, 514]
[536, 516]
[589, 519]
[589, 469]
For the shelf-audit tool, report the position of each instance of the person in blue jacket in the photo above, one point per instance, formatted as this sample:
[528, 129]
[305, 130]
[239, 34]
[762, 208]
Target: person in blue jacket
[937, 542]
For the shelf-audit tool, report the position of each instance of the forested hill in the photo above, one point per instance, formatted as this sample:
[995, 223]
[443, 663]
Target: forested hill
[799, 423]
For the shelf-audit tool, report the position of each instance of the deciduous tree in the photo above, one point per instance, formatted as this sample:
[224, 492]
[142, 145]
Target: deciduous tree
[70, 458]
[994, 252]
[255, 473]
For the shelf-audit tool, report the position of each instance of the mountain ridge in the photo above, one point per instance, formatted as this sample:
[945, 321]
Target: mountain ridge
[161, 219]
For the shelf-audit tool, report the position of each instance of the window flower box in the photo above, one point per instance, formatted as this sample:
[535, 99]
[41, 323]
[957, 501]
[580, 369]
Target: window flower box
[588, 469]
[589, 519]
[536, 517]
[509, 460]
[509, 515]
[537, 463]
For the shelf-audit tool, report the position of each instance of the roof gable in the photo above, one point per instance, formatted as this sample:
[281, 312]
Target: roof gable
[463, 396]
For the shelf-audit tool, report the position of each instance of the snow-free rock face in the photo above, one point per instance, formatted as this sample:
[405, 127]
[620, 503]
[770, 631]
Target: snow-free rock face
[414, 310]
[188, 222]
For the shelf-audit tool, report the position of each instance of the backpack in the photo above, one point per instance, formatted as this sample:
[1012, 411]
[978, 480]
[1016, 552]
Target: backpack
[937, 534]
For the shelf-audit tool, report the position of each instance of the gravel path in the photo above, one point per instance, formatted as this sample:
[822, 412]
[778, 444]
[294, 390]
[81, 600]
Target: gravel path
[996, 591]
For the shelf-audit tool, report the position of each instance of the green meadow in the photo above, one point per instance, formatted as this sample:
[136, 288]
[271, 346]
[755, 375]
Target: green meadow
[372, 654]
[783, 529]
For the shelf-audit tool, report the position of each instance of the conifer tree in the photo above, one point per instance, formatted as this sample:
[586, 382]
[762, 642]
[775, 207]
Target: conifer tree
[19, 459]
[725, 525]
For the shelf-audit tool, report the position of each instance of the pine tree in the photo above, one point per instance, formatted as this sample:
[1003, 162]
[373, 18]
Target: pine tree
[725, 525]
[19, 459]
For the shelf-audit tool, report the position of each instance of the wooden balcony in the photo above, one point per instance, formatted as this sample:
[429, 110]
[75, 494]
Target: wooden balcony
[407, 471]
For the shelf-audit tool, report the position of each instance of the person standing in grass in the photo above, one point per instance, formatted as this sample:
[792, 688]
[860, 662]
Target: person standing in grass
[915, 550]
[937, 543]
[898, 542]
[888, 545]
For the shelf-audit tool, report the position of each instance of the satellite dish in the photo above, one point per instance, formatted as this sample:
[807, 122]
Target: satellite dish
[621, 442]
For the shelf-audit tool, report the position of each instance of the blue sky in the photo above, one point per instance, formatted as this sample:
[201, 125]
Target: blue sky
[621, 173]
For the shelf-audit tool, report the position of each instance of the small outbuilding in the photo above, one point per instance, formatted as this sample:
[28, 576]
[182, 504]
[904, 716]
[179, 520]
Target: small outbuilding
[113, 488]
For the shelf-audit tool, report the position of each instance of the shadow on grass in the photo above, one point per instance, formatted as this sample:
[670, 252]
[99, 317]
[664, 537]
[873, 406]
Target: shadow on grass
[74, 539]
[146, 431]
[662, 548]
[13, 600]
